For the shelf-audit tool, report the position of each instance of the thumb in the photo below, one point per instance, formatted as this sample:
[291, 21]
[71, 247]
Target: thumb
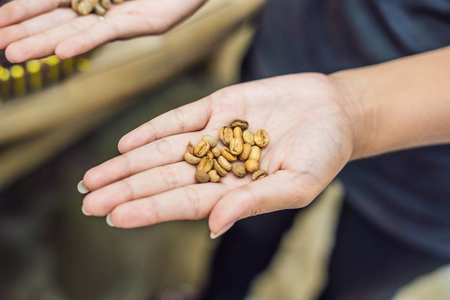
[283, 189]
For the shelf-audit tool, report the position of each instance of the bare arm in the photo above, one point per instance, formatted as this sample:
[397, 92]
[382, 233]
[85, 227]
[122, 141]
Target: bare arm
[399, 104]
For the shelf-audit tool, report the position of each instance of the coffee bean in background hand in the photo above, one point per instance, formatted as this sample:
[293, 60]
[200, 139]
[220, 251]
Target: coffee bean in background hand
[85, 7]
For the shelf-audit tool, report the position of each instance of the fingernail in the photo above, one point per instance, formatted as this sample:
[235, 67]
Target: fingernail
[108, 221]
[84, 211]
[214, 236]
[81, 188]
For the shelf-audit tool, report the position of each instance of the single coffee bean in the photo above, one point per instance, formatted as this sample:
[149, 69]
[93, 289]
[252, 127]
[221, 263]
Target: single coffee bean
[261, 138]
[106, 4]
[216, 151]
[210, 139]
[237, 133]
[201, 149]
[205, 165]
[251, 165]
[193, 160]
[201, 177]
[190, 148]
[213, 176]
[117, 1]
[75, 5]
[85, 8]
[238, 169]
[100, 10]
[225, 135]
[224, 163]
[258, 174]
[228, 155]
[245, 152]
[239, 123]
[255, 153]
[248, 137]
[210, 155]
[236, 146]
[219, 169]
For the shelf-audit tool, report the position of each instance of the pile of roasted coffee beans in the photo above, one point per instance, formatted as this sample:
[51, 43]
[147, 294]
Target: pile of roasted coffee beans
[239, 144]
[85, 7]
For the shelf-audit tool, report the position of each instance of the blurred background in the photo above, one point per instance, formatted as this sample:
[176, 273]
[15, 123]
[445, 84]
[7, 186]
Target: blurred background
[60, 118]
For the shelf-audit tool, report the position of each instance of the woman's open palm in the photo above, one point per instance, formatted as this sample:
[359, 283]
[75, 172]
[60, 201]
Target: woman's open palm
[310, 141]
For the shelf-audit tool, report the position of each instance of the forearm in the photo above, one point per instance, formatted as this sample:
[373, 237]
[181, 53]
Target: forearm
[400, 104]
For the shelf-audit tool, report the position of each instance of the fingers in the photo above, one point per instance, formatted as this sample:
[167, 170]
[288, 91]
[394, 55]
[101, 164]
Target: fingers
[187, 118]
[141, 185]
[34, 26]
[280, 190]
[44, 43]
[159, 153]
[21, 10]
[191, 202]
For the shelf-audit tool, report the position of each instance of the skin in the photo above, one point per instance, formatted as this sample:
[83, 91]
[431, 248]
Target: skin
[37, 28]
[316, 123]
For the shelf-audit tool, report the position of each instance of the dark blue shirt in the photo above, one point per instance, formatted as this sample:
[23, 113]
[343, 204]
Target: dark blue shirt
[406, 193]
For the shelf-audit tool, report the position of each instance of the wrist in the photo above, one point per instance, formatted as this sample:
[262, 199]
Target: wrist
[354, 89]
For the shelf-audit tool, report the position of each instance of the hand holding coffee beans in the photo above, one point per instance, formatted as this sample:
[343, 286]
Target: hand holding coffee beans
[213, 163]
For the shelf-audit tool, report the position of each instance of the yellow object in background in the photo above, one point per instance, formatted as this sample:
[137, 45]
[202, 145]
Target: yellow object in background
[52, 63]
[67, 66]
[19, 83]
[4, 84]
[35, 77]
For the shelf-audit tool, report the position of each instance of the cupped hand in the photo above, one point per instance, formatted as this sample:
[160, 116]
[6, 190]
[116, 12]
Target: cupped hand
[36, 28]
[310, 141]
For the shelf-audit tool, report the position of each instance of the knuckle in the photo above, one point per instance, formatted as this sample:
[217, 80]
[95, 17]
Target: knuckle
[180, 118]
[165, 150]
[193, 199]
[169, 177]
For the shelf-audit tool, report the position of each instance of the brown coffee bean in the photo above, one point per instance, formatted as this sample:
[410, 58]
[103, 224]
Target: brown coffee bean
[75, 5]
[248, 137]
[117, 1]
[261, 138]
[228, 155]
[216, 151]
[224, 163]
[219, 169]
[238, 169]
[85, 8]
[106, 3]
[239, 123]
[205, 165]
[213, 176]
[201, 149]
[201, 176]
[255, 153]
[210, 139]
[210, 155]
[251, 165]
[190, 148]
[193, 160]
[100, 10]
[245, 152]
[236, 146]
[258, 174]
[237, 133]
[225, 135]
